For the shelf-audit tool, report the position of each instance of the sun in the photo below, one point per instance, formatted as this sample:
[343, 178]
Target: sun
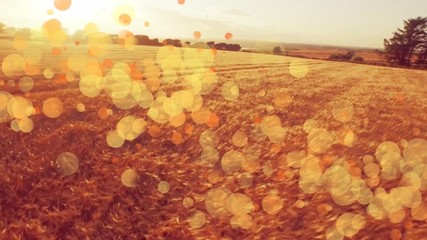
[75, 14]
[81, 7]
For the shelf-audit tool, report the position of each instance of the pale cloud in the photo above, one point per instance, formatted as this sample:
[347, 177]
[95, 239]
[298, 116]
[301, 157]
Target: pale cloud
[237, 12]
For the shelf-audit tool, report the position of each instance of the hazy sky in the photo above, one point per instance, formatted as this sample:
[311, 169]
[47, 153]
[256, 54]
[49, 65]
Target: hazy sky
[337, 22]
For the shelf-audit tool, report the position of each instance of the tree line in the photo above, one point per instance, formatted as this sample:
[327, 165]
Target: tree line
[139, 40]
[145, 40]
[408, 45]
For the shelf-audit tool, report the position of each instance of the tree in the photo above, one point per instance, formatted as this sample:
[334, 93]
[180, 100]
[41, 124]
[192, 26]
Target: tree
[234, 47]
[422, 53]
[342, 57]
[211, 44]
[358, 59]
[2, 26]
[407, 41]
[173, 42]
[277, 50]
[227, 47]
[145, 40]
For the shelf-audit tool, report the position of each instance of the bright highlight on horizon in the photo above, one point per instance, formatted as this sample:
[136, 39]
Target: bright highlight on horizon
[331, 22]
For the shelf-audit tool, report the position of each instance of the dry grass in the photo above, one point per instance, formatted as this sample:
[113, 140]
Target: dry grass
[36, 202]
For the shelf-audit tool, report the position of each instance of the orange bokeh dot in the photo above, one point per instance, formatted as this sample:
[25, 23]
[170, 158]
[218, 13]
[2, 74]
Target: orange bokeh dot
[154, 131]
[327, 160]
[279, 175]
[181, 2]
[103, 113]
[177, 138]
[395, 234]
[416, 131]
[125, 19]
[125, 34]
[146, 23]
[115, 160]
[62, 4]
[53, 24]
[77, 43]
[53, 107]
[323, 209]
[50, 12]
[355, 172]
[400, 97]
[228, 36]
[138, 147]
[189, 129]
[56, 51]
[136, 74]
[61, 79]
[37, 111]
[132, 66]
[53, 31]
[201, 116]
[107, 63]
[178, 120]
[213, 121]
[197, 35]
[408, 225]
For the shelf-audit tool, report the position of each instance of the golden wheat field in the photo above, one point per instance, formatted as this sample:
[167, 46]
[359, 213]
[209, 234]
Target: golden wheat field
[135, 142]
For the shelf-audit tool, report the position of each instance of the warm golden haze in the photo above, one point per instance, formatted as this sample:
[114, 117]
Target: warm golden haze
[110, 131]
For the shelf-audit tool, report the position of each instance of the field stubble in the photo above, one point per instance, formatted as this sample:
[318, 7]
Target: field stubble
[37, 202]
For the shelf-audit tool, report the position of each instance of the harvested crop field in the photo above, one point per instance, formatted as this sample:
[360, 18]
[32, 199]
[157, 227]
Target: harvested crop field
[133, 142]
[368, 56]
